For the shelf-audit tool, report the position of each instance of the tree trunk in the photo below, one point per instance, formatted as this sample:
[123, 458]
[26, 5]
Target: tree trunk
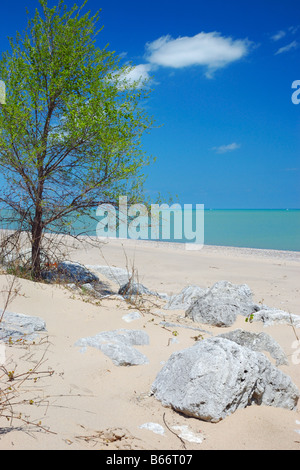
[37, 231]
[37, 226]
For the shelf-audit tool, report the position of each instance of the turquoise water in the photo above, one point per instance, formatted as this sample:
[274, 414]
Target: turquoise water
[265, 229]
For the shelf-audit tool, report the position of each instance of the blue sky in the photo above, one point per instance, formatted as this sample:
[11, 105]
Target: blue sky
[227, 131]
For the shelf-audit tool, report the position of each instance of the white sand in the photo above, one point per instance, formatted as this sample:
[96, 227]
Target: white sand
[89, 403]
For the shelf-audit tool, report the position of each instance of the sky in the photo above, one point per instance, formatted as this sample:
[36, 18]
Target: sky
[227, 118]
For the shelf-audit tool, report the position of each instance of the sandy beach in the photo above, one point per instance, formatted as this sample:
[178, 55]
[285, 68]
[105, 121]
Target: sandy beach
[87, 402]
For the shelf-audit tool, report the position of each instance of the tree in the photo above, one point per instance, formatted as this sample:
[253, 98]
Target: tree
[71, 127]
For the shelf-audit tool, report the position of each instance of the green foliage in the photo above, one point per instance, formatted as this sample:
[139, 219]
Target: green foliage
[2, 92]
[72, 125]
[249, 318]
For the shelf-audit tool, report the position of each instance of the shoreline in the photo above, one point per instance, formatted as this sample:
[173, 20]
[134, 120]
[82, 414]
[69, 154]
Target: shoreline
[207, 249]
[224, 249]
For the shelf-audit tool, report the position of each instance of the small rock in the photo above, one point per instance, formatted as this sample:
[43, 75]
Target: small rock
[134, 288]
[19, 326]
[187, 435]
[270, 316]
[118, 275]
[154, 427]
[131, 317]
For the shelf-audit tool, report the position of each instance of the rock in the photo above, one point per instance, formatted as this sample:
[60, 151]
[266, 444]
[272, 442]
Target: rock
[70, 272]
[118, 345]
[270, 316]
[220, 305]
[18, 326]
[97, 289]
[216, 376]
[88, 287]
[118, 275]
[164, 296]
[131, 317]
[154, 427]
[134, 288]
[122, 277]
[185, 298]
[187, 435]
[257, 342]
[123, 354]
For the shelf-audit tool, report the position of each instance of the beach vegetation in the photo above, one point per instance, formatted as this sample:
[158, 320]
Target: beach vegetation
[71, 127]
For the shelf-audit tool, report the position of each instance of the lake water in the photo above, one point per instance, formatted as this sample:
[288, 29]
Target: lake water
[265, 229]
[268, 229]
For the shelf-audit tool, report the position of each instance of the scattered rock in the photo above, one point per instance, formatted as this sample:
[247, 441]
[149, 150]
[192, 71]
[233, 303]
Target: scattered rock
[270, 316]
[70, 272]
[134, 288]
[118, 346]
[163, 295]
[216, 376]
[118, 275]
[131, 317]
[220, 305]
[187, 435]
[127, 287]
[185, 298]
[18, 326]
[97, 289]
[154, 427]
[257, 342]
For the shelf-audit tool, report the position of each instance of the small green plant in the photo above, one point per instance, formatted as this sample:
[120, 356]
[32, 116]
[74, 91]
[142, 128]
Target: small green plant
[249, 318]
[198, 337]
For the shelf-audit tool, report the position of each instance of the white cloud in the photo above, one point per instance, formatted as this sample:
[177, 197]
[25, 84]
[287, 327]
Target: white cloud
[278, 35]
[288, 47]
[132, 76]
[210, 50]
[282, 33]
[138, 72]
[226, 148]
[294, 29]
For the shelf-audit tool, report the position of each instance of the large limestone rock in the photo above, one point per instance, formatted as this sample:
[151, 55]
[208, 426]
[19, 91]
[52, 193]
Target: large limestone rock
[216, 376]
[220, 305]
